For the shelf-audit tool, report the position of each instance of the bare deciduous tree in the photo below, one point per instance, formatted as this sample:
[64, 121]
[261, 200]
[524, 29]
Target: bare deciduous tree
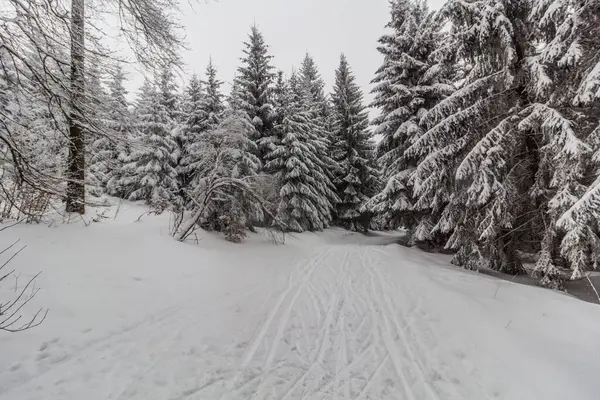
[44, 46]
[11, 308]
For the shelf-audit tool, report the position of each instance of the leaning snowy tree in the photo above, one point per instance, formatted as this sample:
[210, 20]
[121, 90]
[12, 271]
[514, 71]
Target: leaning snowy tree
[221, 194]
[61, 37]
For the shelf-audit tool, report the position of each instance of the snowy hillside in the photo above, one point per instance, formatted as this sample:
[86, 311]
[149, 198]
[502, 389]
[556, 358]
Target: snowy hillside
[137, 315]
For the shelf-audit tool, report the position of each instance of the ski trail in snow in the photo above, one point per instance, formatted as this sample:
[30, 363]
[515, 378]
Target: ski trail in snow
[371, 378]
[420, 353]
[380, 330]
[280, 301]
[278, 317]
[392, 325]
[335, 325]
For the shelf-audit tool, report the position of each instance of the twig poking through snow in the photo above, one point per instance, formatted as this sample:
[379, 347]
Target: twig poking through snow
[118, 208]
[11, 225]
[498, 288]
[593, 287]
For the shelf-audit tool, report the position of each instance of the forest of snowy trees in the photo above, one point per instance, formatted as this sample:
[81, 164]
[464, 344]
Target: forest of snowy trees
[486, 141]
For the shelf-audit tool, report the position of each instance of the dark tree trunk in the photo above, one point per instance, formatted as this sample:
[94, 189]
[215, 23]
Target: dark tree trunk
[76, 162]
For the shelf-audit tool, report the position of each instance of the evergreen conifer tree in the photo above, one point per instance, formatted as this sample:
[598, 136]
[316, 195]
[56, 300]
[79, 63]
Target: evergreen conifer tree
[254, 90]
[99, 137]
[567, 81]
[410, 81]
[121, 125]
[353, 149]
[196, 122]
[205, 115]
[306, 189]
[310, 87]
[149, 170]
[214, 96]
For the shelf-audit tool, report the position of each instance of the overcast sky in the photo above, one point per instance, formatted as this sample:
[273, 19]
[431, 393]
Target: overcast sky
[324, 28]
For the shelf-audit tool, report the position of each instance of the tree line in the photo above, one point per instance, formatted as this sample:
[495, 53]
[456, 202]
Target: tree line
[488, 120]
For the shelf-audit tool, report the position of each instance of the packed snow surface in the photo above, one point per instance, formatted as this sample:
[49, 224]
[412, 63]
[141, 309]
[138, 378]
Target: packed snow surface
[335, 315]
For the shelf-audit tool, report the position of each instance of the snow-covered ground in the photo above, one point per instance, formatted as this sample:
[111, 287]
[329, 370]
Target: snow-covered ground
[137, 315]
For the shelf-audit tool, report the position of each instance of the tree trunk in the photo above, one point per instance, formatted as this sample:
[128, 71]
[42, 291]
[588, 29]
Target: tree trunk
[76, 162]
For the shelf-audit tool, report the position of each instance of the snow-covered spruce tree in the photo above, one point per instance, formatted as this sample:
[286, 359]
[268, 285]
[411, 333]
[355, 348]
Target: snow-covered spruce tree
[281, 99]
[108, 110]
[473, 149]
[254, 90]
[568, 68]
[205, 109]
[305, 187]
[410, 81]
[196, 122]
[214, 96]
[353, 150]
[310, 87]
[120, 124]
[171, 101]
[169, 97]
[221, 188]
[149, 172]
[98, 138]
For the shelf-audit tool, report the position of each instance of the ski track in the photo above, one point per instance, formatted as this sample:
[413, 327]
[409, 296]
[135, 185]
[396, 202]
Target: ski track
[340, 328]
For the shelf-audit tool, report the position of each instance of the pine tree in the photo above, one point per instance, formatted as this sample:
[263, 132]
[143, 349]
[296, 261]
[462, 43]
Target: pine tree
[314, 102]
[214, 97]
[175, 124]
[305, 187]
[409, 82]
[468, 173]
[206, 112]
[169, 99]
[99, 138]
[502, 148]
[567, 76]
[149, 170]
[196, 122]
[353, 148]
[120, 124]
[281, 99]
[254, 86]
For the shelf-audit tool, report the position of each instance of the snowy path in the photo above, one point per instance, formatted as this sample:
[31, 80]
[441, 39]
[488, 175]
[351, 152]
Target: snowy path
[317, 321]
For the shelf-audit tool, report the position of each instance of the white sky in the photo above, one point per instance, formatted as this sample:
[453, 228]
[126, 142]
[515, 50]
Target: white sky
[324, 28]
